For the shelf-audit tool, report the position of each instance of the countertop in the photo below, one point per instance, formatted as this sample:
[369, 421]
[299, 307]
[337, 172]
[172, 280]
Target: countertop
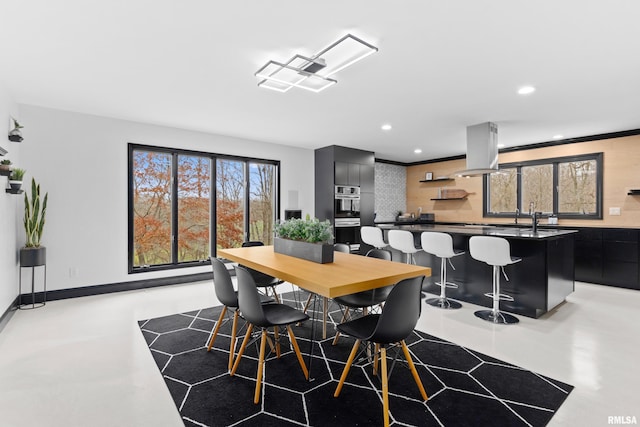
[484, 230]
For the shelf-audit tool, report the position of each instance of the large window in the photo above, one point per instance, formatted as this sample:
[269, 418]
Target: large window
[174, 218]
[569, 187]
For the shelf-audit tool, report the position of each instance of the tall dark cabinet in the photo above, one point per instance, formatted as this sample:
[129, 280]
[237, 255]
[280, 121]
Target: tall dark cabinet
[335, 165]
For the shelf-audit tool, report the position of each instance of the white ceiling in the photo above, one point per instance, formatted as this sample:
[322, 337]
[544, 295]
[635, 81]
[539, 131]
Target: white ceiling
[441, 65]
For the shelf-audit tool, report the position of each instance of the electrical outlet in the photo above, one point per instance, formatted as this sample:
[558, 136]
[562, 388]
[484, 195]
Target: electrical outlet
[614, 211]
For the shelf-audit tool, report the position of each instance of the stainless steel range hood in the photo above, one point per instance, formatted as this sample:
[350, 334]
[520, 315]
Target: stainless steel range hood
[482, 149]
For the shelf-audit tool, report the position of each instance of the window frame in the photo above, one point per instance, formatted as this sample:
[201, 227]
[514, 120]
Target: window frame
[213, 157]
[555, 161]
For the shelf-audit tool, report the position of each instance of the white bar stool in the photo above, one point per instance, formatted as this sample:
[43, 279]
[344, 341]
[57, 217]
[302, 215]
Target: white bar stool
[372, 236]
[402, 240]
[496, 252]
[441, 245]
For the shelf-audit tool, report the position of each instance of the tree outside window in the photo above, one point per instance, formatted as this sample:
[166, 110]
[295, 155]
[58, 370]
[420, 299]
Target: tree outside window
[569, 187]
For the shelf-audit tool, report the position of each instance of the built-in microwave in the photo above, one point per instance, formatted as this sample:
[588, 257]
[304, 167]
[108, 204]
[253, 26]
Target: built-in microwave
[347, 202]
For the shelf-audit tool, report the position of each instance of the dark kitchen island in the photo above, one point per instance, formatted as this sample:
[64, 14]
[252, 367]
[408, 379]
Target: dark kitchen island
[540, 282]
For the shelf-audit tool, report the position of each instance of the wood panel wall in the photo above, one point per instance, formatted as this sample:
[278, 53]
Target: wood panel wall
[621, 173]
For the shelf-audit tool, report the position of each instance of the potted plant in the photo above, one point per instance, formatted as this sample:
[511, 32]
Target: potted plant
[15, 179]
[34, 215]
[5, 167]
[16, 135]
[307, 238]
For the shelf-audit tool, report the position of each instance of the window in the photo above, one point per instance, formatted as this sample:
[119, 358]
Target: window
[569, 187]
[176, 221]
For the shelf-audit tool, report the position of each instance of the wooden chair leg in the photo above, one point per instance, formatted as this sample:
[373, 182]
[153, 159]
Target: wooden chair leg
[294, 343]
[234, 331]
[306, 304]
[276, 337]
[352, 356]
[344, 317]
[376, 352]
[275, 294]
[247, 337]
[414, 372]
[217, 327]
[263, 344]
[385, 386]
[325, 310]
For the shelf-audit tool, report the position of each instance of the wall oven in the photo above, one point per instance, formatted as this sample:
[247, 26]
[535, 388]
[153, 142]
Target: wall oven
[347, 216]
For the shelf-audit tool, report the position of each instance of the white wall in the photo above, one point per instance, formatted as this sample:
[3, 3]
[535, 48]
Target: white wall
[9, 204]
[81, 161]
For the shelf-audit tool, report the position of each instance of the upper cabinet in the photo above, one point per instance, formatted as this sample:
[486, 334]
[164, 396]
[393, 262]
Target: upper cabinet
[347, 173]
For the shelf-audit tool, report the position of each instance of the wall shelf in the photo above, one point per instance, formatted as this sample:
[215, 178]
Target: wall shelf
[437, 179]
[450, 198]
[5, 172]
[634, 193]
[12, 191]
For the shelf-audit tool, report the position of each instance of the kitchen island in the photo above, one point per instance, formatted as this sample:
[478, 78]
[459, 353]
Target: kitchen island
[539, 283]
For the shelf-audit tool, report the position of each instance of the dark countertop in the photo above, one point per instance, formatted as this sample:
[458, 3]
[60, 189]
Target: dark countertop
[483, 230]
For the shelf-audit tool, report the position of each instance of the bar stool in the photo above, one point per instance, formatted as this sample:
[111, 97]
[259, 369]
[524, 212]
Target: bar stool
[372, 236]
[441, 245]
[402, 240]
[496, 252]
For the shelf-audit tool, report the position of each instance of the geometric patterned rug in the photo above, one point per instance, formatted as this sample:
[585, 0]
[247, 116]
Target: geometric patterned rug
[465, 388]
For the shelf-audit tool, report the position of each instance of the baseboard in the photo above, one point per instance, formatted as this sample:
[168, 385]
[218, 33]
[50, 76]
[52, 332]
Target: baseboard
[8, 314]
[113, 287]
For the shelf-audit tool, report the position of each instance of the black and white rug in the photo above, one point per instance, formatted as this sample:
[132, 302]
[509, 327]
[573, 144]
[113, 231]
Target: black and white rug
[465, 388]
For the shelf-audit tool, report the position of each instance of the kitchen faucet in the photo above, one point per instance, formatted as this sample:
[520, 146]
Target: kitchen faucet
[534, 216]
[517, 213]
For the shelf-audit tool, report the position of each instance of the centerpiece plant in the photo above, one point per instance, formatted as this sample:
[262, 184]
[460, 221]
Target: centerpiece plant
[308, 238]
[35, 210]
[309, 230]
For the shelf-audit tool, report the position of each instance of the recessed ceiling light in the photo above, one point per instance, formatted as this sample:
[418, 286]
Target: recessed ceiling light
[417, 151]
[526, 90]
[558, 136]
[386, 127]
[500, 145]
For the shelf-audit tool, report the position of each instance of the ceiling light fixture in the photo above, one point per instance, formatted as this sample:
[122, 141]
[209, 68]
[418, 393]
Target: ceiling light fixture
[558, 136]
[385, 127]
[417, 151]
[312, 73]
[526, 90]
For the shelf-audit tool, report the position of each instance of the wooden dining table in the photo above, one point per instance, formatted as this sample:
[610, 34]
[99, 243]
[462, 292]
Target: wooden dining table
[347, 274]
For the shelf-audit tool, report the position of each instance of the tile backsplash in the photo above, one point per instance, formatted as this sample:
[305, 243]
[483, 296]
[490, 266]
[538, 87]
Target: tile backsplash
[391, 190]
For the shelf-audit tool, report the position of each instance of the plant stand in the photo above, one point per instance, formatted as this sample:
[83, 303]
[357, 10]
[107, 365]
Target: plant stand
[32, 257]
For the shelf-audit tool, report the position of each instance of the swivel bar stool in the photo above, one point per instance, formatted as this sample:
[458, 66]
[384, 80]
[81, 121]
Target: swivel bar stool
[402, 240]
[372, 236]
[441, 245]
[496, 252]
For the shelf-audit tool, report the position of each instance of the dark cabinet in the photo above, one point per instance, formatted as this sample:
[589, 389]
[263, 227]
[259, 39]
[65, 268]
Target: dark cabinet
[347, 174]
[608, 256]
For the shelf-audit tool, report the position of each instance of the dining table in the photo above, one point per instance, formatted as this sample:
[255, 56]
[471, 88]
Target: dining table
[347, 274]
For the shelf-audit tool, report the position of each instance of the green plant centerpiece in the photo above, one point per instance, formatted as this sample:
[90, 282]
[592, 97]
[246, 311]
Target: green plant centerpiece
[308, 238]
[35, 211]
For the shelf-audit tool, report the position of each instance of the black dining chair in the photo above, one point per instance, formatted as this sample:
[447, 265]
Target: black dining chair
[396, 322]
[228, 296]
[365, 299]
[264, 317]
[263, 280]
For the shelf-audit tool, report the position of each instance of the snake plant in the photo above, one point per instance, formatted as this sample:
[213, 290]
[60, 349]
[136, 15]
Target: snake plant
[34, 215]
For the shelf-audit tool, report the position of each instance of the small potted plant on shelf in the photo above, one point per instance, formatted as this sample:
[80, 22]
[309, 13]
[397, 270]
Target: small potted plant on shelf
[5, 167]
[34, 214]
[15, 179]
[307, 238]
[16, 135]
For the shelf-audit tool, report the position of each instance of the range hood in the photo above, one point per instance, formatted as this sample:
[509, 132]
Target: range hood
[482, 149]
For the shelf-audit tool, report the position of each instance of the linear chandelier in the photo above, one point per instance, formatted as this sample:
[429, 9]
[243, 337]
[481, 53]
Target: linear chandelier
[312, 73]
